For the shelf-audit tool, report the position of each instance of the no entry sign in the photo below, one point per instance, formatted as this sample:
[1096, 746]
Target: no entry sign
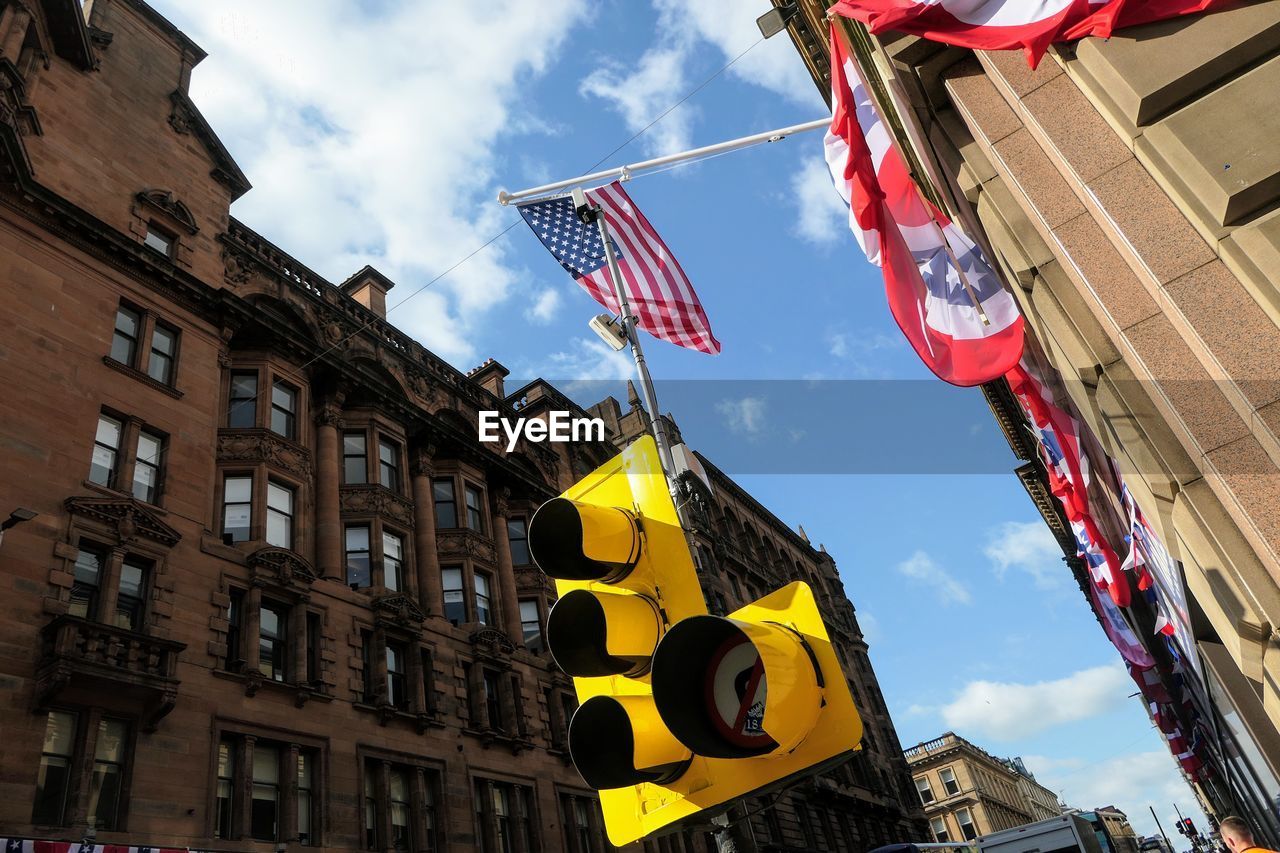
[735, 693]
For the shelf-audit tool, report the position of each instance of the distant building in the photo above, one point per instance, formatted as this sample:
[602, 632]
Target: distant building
[1119, 832]
[967, 792]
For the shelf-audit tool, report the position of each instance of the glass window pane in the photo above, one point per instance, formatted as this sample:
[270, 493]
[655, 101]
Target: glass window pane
[163, 340]
[108, 432]
[132, 578]
[279, 530]
[103, 465]
[238, 489]
[283, 396]
[111, 741]
[391, 546]
[149, 448]
[266, 764]
[280, 498]
[482, 585]
[59, 733]
[357, 539]
[88, 564]
[353, 444]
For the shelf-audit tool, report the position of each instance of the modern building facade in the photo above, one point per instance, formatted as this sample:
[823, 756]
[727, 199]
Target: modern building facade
[1127, 191]
[276, 593]
[967, 792]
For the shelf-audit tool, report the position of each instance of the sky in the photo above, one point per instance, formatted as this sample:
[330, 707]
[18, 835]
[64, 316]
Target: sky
[381, 131]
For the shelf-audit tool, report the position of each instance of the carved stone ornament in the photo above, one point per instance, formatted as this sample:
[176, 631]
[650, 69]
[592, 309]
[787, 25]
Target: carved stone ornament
[180, 116]
[237, 268]
[465, 543]
[281, 567]
[260, 445]
[398, 609]
[492, 644]
[14, 109]
[330, 414]
[127, 517]
[377, 500]
[502, 503]
[163, 201]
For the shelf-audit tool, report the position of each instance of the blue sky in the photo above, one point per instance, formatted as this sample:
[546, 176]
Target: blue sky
[380, 132]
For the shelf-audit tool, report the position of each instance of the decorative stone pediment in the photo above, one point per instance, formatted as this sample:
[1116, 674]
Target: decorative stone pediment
[262, 445]
[493, 645]
[164, 202]
[398, 609]
[128, 518]
[281, 567]
[377, 500]
[465, 543]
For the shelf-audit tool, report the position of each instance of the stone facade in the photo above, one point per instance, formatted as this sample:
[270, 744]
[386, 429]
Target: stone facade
[1127, 190]
[277, 594]
[967, 792]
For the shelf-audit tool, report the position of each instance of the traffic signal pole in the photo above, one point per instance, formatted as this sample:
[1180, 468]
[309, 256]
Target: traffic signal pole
[629, 326]
[727, 840]
[1159, 827]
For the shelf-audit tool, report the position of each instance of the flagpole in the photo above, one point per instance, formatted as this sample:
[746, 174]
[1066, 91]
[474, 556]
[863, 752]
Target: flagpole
[627, 172]
[897, 145]
[629, 326]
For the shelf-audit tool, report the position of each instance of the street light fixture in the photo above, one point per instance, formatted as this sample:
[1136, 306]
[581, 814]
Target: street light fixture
[775, 20]
[18, 516]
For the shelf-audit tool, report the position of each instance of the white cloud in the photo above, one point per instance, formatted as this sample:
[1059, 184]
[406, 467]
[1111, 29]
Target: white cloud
[924, 569]
[1006, 711]
[871, 630]
[642, 90]
[544, 307]
[642, 94]
[743, 416]
[585, 359]
[1026, 547]
[369, 135]
[1129, 782]
[821, 217]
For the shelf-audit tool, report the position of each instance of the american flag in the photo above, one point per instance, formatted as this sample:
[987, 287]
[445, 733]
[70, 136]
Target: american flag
[916, 246]
[661, 297]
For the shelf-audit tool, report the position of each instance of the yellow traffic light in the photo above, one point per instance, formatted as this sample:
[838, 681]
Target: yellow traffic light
[681, 712]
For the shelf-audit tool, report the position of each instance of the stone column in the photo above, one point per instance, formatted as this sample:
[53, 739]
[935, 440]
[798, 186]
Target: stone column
[427, 560]
[421, 830]
[298, 644]
[287, 815]
[510, 602]
[245, 780]
[328, 519]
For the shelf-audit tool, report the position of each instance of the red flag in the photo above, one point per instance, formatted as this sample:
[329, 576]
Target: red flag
[1011, 24]
[933, 273]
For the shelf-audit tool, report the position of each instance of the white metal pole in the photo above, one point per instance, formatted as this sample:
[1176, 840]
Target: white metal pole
[626, 172]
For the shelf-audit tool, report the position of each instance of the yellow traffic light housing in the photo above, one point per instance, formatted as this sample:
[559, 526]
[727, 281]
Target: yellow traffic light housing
[681, 712]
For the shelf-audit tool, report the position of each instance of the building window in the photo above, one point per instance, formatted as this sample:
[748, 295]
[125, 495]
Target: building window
[242, 409]
[581, 824]
[358, 574]
[939, 827]
[224, 795]
[53, 784]
[397, 681]
[279, 515]
[518, 536]
[493, 700]
[398, 800]
[131, 594]
[389, 464]
[124, 340]
[306, 798]
[949, 783]
[926, 793]
[313, 650]
[164, 351]
[475, 517]
[264, 820]
[146, 467]
[455, 605]
[106, 451]
[354, 461]
[86, 578]
[392, 561]
[967, 829]
[446, 503]
[159, 240]
[284, 409]
[530, 624]
[273, 627]
[508, 811]
[106, 785]
[484, 614]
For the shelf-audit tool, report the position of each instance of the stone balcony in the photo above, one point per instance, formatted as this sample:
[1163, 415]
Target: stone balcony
[90, 663]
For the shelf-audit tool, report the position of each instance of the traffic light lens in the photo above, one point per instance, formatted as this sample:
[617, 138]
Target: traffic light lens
[581, 640]
[603, 739]
[583, 542]
[710, 686]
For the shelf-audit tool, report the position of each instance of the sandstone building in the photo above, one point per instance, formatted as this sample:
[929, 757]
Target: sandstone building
[276, 594]
[967, 792]
[1128, 191]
